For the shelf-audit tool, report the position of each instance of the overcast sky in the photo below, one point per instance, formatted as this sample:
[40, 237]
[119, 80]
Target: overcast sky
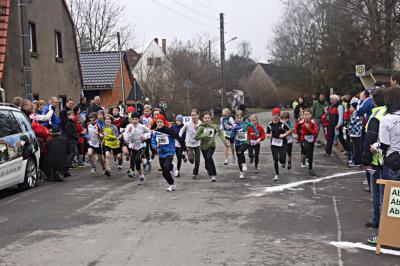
[251, 20]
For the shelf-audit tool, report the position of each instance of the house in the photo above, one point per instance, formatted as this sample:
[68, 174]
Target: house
[101, 74]
[38, 51]
[152, 59]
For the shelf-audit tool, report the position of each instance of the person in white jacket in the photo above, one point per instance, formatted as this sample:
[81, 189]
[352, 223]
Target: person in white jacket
[135, 136]
[192, 145]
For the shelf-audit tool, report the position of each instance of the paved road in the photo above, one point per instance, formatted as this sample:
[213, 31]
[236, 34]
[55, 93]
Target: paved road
[95, 220]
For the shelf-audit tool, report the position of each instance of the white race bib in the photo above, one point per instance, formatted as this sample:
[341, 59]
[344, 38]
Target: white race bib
[210, 132]
[162, 139]
[309, 138]
[241, 136]
[277, 142]
[289, 139]
[253, 142]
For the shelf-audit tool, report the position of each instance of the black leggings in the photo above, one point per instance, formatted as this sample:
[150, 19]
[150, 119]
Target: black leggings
[309, 153]
[166, 166]
[289, 150]
[254, 152]
[356, 149]
[208, 157]
[136, 159]
[279, 156]
[147, 149]
[240, 149]
[179, 157]
[196, 154]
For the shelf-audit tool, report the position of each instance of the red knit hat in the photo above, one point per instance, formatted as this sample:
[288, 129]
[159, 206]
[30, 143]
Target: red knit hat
[276, 111]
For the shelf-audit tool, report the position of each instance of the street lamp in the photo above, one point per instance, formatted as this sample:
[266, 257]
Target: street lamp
[223, 48]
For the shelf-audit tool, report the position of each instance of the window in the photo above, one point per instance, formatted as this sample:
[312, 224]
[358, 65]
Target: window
[59, 54]
[150, 61]
[23, 122]
[32, 38]
[157, 61]
[12, 127]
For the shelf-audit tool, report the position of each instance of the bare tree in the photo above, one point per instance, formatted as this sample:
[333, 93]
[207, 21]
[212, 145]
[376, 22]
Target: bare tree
[97, 23]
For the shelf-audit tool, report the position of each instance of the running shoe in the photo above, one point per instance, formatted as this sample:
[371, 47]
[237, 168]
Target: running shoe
[312, 173]
[171, 188]
[276, 178]
[93, 170]
[351, 164]
[195, 176]
[324, 154]
[373, 240]
[244, 167]
[119, 167]
[107, 172]
[213, 179]
[184, 158]
[289, 165]
[141, 180]
[307, 162]
[175, 171]
[241, 176]
[226, 162]
[131, 174]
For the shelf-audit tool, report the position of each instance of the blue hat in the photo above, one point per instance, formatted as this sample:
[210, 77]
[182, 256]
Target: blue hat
[179, 118]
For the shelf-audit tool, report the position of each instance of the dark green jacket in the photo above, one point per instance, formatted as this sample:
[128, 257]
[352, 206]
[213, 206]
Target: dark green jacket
[206, 134]
[317, 109]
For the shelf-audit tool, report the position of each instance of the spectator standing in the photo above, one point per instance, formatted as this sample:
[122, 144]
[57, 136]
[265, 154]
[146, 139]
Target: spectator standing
[72, 138]
[163, 107]
[318, 109]
[63, 114]
[299, 108]
[95, 106]
[54, 121]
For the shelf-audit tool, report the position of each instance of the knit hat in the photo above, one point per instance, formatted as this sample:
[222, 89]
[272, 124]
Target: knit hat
[179, 118]
[131, 109]
[276, 111]
[135, 115]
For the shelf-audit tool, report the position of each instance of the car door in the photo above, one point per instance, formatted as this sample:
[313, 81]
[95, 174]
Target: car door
[11, 162]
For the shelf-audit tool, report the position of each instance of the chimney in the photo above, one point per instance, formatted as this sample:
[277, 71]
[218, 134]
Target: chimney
[156, 40]
[164, 45]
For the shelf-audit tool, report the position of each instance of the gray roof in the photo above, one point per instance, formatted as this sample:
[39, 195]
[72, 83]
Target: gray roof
[99, 69]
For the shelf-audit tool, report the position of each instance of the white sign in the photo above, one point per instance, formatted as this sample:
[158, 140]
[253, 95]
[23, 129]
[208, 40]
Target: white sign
[360, 70]
[394, 203]
[187, 119]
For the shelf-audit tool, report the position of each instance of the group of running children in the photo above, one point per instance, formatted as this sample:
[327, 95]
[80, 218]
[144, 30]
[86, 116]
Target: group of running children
[140, 138]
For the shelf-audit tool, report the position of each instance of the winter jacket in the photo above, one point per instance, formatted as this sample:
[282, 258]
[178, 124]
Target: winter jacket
[318, 109]
[355, 125]
[110, 138]
[70, 130]
[206, 134]
[226, 125]
[163, 138]
[306, 134]
[240, 132]
[54, 121]
[135, 135]
[365, 107]
[190, 129]
[253, 136]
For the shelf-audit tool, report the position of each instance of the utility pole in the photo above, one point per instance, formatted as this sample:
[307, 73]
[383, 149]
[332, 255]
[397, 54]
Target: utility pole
[222, 40]
[121, 69]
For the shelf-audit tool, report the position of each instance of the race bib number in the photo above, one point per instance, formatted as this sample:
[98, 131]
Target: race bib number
[162, 139]
[209, 132]
[289, 139]
[309, 138]
[227, 134]
[241, 136]
[277, 142]
[253, 142]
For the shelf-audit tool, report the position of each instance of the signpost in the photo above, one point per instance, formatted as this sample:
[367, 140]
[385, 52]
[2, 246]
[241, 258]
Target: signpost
[187, 84]
[360, 70]
[389, 227]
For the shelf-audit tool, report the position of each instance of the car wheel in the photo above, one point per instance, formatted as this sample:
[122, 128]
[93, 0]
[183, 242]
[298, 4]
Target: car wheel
[31, 175]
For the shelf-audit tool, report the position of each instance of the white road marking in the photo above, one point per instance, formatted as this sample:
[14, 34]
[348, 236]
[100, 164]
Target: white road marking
[265, 190]
[350, 245]
[339, 230]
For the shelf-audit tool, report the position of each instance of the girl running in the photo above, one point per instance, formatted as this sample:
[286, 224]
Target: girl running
[286, 119]
[306, 131]
[226, 126]
[240, 134]
[135, 136]
[111, 144]
[179, 150]
[206, 133]
[193, 145]
[162, 139]
[277, 132]
[94, 135]
[255, 141]
[145, 120]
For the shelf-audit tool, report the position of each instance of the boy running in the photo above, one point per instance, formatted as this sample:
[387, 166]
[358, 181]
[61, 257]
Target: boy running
[111, 144]
[226, 126]
[94, 134]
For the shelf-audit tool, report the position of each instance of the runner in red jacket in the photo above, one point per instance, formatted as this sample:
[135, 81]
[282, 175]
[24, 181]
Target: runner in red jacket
[255, 142]
[306, 131]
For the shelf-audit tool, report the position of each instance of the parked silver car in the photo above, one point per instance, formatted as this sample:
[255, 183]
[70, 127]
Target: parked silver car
[19, 149]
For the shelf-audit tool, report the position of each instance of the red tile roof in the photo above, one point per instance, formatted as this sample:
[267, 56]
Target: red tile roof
[4, 16]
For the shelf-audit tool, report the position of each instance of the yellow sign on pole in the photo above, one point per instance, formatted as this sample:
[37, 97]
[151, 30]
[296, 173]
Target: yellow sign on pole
[389, 226]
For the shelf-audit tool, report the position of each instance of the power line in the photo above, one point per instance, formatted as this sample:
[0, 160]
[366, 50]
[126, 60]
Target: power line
[194, 10]
[182, 15]
[205, 6]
